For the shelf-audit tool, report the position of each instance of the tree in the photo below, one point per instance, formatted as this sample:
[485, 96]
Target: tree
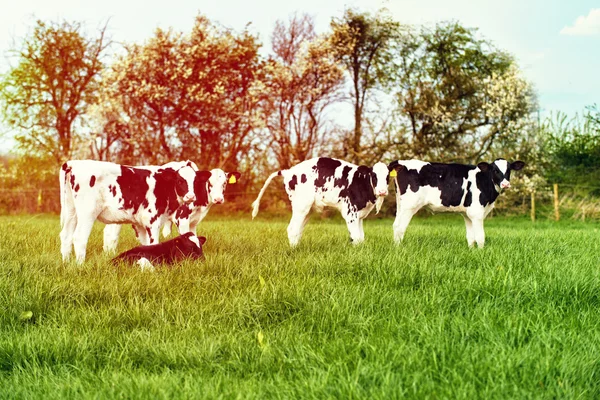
[457, 95]
[302, 81]
[46, 94]
[362, 43]
[183, 96]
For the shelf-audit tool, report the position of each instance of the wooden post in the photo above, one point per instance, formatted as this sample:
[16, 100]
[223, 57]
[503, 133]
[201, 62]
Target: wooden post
[533, 206]
[556, 211]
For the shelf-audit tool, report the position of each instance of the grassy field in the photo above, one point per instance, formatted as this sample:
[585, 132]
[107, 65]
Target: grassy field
[428, 319]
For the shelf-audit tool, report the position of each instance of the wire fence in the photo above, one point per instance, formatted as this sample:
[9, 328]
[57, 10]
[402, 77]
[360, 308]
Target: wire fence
[552, 201]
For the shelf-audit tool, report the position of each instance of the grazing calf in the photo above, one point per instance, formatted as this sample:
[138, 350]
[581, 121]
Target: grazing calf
[319, 182]
[118, 194]
[209, 188]
[169, 252]
[466, 189]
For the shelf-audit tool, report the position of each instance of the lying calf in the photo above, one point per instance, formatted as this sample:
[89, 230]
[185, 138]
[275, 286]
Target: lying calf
[169, 252]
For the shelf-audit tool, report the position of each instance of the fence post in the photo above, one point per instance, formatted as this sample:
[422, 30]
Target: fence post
[533, 206]
[556, 211]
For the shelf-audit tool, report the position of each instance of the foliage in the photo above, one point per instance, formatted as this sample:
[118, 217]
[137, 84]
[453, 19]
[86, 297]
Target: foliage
[574, 149]
[45, 96]
[362, 43]
[302, 81]
[184, 96]
[457, 95]
[428, 319]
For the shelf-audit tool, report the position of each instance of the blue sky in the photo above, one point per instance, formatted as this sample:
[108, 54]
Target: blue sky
[556, 42]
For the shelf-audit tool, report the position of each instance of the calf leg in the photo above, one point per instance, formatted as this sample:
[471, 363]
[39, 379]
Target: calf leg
[300, 215]
[478, 232]
[141, 234]
[153, 233]
[167, 229]
[470, 235]
[66, 234]
[85, 222]
[111, 237]
[362, 230]
[403, 217]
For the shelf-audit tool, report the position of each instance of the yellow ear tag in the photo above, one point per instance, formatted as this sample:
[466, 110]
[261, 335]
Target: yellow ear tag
[393, 173]
[232, 179]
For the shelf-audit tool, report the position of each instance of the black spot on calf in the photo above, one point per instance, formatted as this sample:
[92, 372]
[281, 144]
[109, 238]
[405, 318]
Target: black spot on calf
[92, 181]
[360, 191]
[343, 180]
[293, 182]
[134, 187]
[325, 170]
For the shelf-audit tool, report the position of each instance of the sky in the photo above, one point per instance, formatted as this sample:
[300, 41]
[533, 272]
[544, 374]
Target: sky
[555, 42]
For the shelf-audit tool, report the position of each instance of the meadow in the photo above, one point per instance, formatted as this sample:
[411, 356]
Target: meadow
[428, 319]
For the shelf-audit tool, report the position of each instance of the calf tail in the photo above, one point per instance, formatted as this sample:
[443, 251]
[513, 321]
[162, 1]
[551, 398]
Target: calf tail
[256, 202]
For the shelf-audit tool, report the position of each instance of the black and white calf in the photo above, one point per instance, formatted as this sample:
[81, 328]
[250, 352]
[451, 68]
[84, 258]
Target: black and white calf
[320, 182]
[467, 189]
[118, 194]
[185, 246]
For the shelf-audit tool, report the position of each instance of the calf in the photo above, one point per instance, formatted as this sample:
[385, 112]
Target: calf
[112, 231]
[466, 189]
[169, 252]
[118, 194]
[319, 182]
[209, 188]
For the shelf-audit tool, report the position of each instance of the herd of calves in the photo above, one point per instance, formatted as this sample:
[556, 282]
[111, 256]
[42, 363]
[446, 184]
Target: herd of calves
[151, 197]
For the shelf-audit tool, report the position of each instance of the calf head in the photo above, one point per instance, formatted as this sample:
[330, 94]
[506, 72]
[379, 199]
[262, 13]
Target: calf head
[218, 182]
[377, 177]
[184, 184]
[190, 246]
[500, 171]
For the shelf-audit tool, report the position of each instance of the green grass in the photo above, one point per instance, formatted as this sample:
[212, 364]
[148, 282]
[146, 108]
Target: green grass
[427, 319]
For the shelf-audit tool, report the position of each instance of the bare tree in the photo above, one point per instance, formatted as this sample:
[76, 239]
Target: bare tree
[302, 81]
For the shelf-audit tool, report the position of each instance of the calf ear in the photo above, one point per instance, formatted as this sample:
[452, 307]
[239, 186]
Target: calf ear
[203, 175]
[233, 177]
[202, 240]
[192, 164]
[483, 166]
[394, 167]
[517, 165]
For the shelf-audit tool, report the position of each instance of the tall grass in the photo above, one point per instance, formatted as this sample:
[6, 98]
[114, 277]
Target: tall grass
[430, 318]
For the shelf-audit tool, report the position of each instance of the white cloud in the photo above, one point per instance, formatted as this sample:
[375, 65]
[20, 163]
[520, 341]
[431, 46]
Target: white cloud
[584, 25]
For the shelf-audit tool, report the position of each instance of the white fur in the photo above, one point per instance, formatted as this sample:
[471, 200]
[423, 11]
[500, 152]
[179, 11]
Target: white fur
[195, 240]
[145, 265]
[307, 196]
[413, 164]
